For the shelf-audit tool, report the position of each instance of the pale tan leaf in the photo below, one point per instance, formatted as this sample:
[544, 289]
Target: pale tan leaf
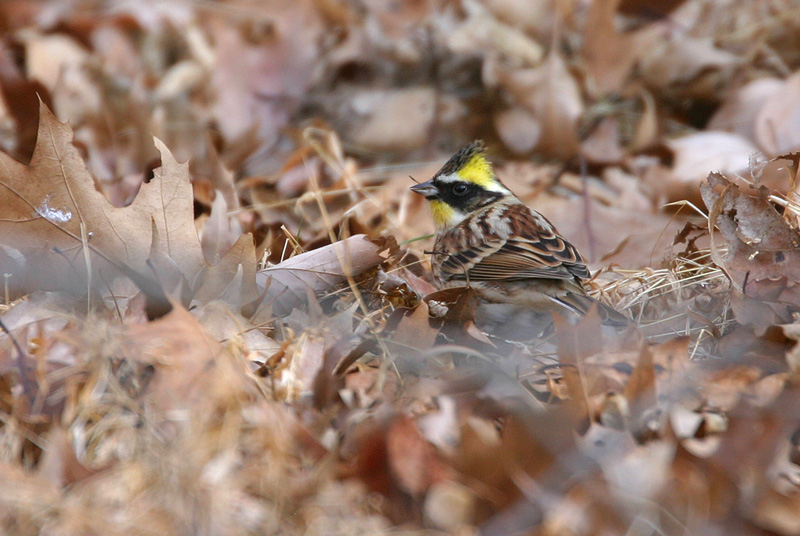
[777, 126]
[518, 128]
[287, 283]
[393, 119]
[697, 155]
[759, 244]
[647, 127]
[218, 234]
[740, 109]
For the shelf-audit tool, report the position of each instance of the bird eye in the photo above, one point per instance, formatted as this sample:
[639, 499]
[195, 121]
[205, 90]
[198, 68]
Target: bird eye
[460, 188]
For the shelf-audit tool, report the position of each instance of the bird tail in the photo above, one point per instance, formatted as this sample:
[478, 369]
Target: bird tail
[581, 303]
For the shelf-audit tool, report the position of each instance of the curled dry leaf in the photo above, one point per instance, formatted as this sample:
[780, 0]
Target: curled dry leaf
[760, 244]
[761, 255]
[647, 127]
[287, 283]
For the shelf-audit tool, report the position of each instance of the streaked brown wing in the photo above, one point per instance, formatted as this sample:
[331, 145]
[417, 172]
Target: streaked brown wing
[533, 251]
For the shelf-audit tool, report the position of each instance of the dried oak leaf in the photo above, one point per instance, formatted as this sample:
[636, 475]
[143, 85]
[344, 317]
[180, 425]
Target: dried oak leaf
[59, 233]
[53, 203]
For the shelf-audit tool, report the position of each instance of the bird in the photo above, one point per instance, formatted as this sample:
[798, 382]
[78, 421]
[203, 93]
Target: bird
[489, 240]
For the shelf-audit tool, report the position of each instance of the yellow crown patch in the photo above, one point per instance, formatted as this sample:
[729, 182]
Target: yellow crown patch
[477, 170]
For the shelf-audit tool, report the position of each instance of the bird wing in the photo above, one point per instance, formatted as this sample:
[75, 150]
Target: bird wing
[531, 250]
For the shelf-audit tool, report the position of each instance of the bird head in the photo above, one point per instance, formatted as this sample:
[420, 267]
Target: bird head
[465, 183]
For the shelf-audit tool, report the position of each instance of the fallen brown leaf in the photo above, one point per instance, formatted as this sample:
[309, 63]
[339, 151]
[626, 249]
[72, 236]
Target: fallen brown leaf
[761, 256]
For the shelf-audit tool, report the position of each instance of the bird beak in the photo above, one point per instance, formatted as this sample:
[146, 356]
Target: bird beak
[426, 189]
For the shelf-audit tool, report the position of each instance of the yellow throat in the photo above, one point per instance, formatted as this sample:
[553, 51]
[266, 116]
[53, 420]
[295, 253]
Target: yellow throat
[443, 214]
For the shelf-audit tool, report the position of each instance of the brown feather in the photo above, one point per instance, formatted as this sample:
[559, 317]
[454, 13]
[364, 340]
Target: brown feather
[525, 247]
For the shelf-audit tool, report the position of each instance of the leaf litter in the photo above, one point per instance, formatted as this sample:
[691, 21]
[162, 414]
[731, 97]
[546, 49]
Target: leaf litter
[232, 329]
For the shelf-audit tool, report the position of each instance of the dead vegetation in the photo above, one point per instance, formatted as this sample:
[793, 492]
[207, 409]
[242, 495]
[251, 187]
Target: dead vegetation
[231, 328]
